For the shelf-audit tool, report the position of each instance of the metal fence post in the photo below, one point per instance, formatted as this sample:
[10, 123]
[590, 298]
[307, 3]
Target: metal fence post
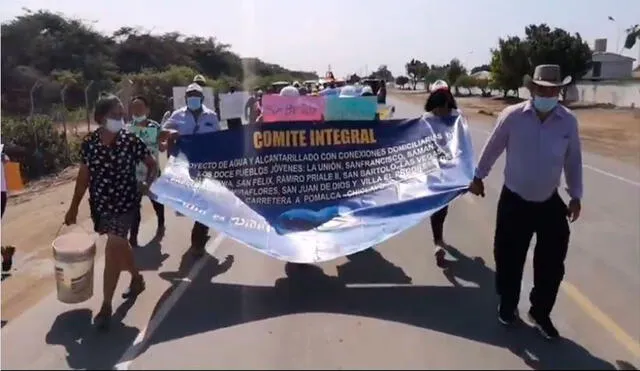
[64, 109]
[86, 105]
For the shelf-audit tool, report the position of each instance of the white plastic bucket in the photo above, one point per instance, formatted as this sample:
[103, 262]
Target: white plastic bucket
[74, 254]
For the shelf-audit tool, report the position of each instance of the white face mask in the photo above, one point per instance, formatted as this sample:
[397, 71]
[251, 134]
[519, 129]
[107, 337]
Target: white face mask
[114, 125]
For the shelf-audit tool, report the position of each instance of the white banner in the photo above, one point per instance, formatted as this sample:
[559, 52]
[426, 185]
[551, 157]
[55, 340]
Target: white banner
[232, 105]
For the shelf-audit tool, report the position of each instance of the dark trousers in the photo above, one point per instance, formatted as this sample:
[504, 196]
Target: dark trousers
[4, 202]
[199, 235]
[235, 123]
[517, 221]
[137, 217]
[437, 223]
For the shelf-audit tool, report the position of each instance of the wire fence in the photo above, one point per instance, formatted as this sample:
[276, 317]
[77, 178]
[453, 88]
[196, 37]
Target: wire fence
[47, 122]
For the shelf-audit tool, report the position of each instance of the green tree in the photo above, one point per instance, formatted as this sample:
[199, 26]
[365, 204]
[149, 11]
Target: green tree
[466, 82]
[402, 81]
[382, 73]
[483, 85]
[416, 71]
[57, 44]
[557, 46]
[454, 72]
[515, 57]
[509, 63]
[354, 78]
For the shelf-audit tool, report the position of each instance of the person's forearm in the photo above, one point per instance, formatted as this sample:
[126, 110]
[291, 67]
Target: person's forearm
[573, 168]
[82, 183]
[494, 147]
[152, 170]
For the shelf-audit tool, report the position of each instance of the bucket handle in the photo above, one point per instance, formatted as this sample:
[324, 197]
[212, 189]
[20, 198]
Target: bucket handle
[62, 225]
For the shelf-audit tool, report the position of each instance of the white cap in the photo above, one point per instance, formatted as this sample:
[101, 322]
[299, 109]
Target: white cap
[194, 87]
[367, 89]
[348, 91]
[439, 84]
[199, 78]
[289, 91]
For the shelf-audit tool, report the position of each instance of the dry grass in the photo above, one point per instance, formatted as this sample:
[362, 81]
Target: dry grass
[608, 131]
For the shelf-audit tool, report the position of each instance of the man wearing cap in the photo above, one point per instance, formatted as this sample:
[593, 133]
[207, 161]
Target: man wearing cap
[194, 118]
[541, 140]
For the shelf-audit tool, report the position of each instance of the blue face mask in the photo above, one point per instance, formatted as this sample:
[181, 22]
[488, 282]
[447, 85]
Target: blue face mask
[194, 103]
[545, 104]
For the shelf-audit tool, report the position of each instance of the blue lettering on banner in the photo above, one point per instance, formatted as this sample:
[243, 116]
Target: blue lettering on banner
[305, 193]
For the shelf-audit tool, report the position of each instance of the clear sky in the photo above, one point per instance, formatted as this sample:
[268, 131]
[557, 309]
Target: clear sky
[352, 35]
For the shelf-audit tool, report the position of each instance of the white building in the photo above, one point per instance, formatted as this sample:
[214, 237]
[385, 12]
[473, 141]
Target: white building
[608, 66]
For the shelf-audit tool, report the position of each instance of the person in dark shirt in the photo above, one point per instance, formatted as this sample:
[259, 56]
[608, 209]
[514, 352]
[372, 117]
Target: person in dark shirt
[439, 105]
[148, 131]
[382, 93]
[109, 156]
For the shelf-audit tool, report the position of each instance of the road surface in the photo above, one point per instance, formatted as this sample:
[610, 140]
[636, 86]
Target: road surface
[389, 307]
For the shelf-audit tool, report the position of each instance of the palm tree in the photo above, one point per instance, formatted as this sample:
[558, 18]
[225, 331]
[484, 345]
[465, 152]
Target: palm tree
[633, 35]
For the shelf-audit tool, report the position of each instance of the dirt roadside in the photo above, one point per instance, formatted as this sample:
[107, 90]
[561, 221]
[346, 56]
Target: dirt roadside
[611, 132]
[30, 223]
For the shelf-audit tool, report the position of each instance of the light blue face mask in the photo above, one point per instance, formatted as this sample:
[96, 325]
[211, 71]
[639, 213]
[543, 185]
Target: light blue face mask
[545, 104]
[138, 119]
[194, 103]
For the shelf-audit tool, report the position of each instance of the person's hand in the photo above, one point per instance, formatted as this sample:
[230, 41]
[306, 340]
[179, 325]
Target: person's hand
[162, 146]
[71, 216]
[144, 188]
[476, 187]
[172, 139]
[573, 210]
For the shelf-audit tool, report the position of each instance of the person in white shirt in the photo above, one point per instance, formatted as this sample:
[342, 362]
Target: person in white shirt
[194, 118]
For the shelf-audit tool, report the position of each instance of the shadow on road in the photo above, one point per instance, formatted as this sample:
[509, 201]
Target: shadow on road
[150, 257]
[369, 266]
[467, 312]
[524, 342]
[87, 348]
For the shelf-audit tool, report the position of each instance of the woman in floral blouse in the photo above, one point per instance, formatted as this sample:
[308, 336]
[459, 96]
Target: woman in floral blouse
[109, 156]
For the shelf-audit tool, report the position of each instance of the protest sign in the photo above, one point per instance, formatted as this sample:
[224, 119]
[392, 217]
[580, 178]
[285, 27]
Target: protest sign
[306, 193]
[149, 135]
[350, 109]
[277, 108]
[232, 105]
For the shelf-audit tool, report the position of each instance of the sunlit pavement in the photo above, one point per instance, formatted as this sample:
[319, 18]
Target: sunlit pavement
[387, 308]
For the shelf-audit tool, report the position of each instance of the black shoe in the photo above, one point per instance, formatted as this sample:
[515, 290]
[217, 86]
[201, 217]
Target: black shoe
[7, 257]
[136, 287]
[102, 320]
[544, 325]
[506, 316]
[440, 255]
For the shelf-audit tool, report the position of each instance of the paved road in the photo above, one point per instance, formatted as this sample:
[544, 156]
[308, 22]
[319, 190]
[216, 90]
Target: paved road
[389, 307]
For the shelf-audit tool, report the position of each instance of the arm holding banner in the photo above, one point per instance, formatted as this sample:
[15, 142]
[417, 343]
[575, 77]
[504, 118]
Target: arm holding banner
[169, 133]
[496, 144]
